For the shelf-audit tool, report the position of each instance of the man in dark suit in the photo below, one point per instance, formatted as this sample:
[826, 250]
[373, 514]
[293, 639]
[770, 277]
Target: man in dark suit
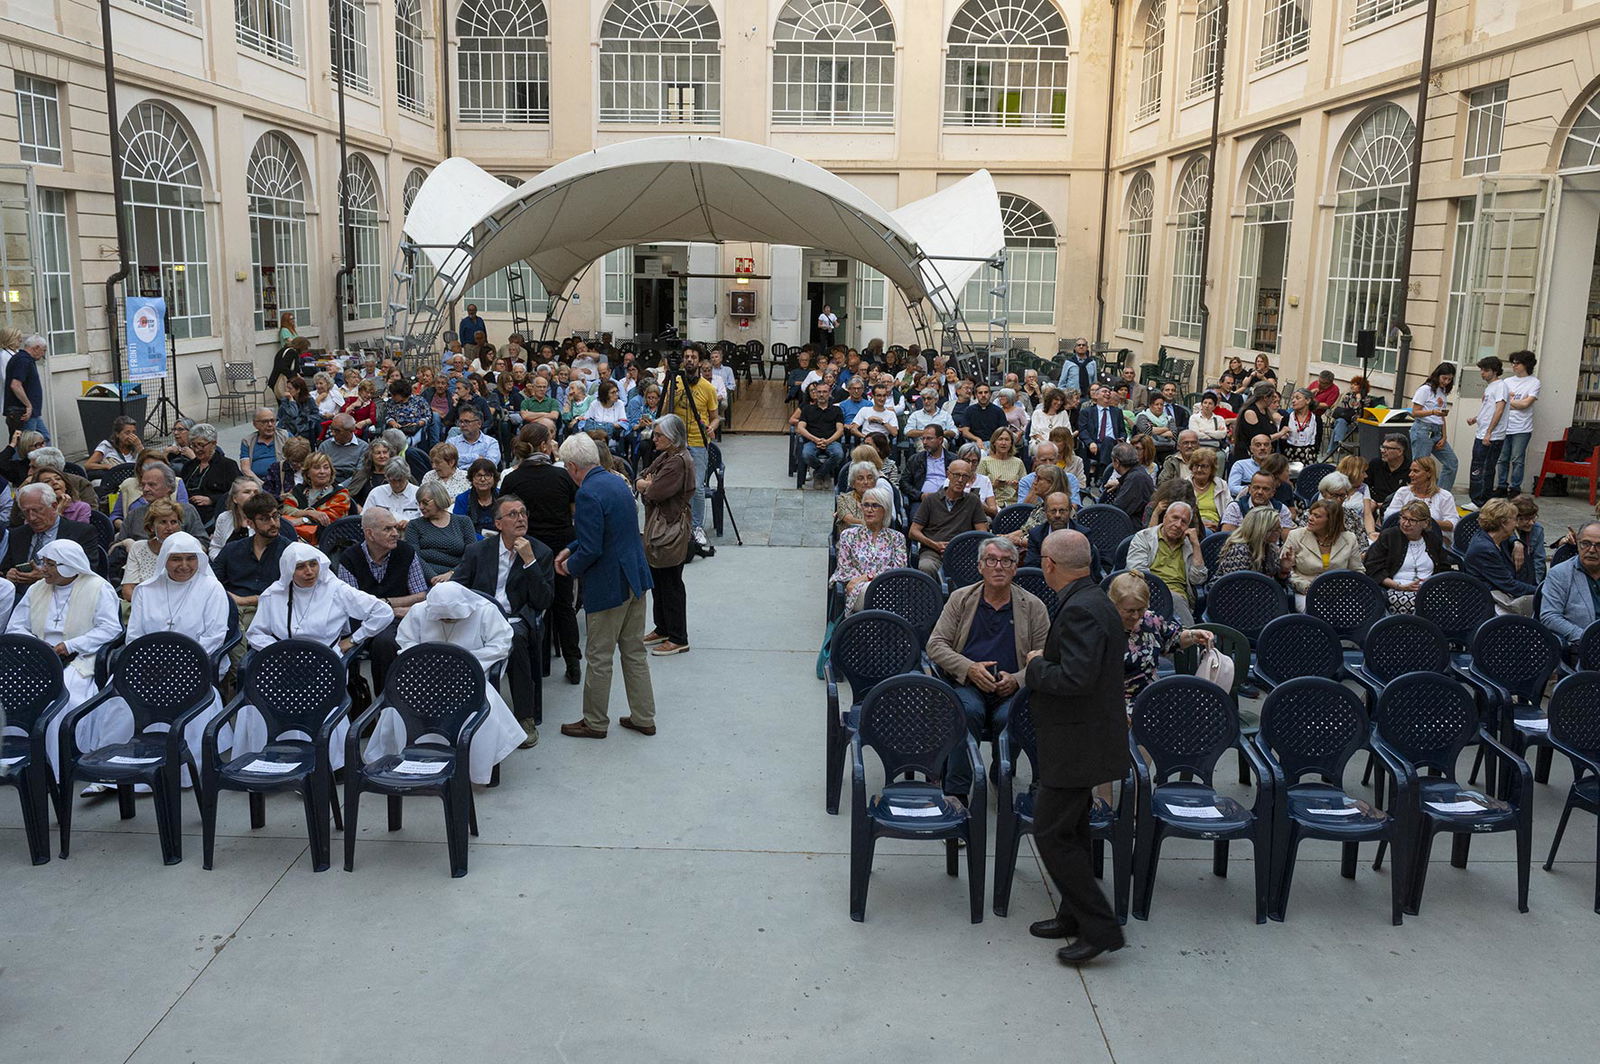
[518, 573]
[42, 523]
[1100, 426]
[608, 553]
[1080, 716]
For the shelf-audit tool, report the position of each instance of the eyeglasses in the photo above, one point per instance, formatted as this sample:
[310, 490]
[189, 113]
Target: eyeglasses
[1588, 545]
[998, 563]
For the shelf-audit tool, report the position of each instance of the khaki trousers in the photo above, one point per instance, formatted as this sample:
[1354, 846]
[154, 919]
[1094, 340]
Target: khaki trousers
[617, 630]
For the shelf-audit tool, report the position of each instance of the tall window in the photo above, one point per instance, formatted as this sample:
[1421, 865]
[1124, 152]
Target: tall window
[618, 268]
[1006, 65]
[277, 211]
[361, 184]
[38, 120]
[1370, 11]
[503, 61]
[1030, 267]
[660, 63]
[422, 270]
[1188, 262]
[1486, 123]
[265, 26]
[871, 293]
[1461, 316]
[1136, 250]
[163, 195]
[1264, 256]
[1368, 235]
[353, 14]
[1206, 69]
[1582, 146]
[1150, 59]
[174, 8]
[410, 82]
[1285, 33]
[833, 64]
[55, 269]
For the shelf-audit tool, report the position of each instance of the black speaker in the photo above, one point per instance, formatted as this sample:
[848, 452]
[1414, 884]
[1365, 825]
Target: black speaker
[1366, 345]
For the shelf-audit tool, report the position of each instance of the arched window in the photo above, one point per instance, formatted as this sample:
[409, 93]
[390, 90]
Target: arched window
[1030, 267]
[1154, 36]
[276, 189]
[353, 13]
[497, 293]
[1006, 65]
[1264, 256]
[421, 266]
[410, 81]
[1188, 238]
[413, 185]
[1136, 253]
[833, 64]
[162, 193]
[503, 61]
[265, 26]
[1206, 70]
[660, 63]
[365, 300]
[1369, 235]
[1285, 33]
[1582, 147]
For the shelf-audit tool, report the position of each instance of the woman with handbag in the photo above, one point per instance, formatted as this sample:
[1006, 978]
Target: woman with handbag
[666, 487]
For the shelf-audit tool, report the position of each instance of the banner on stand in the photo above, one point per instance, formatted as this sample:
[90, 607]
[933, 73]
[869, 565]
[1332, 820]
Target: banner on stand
[147, 338]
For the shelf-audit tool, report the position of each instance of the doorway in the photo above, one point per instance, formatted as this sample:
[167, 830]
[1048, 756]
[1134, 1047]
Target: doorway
[828, 294]
[654, 306]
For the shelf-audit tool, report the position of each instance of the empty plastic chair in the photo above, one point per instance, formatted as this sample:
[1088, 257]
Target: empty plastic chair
[1575, 731]
[867, 648]
[31, 691]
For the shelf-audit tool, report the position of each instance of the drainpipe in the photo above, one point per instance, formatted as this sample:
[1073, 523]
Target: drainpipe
[346, 233]
[444, 72]
[1211, 182]
[113, 333]
[1400, 327]
[1105, 179]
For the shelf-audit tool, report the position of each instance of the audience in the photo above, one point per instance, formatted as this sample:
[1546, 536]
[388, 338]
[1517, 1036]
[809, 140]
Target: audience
[439, 535]
[384, 568]
[1486, 559]
[1423, 486]
[1407, 554]
[1324, 544]
[1130, 485]
[944, 514]
[1572, 589]
[1170, 549]
[1149, 635]
[1254, 546]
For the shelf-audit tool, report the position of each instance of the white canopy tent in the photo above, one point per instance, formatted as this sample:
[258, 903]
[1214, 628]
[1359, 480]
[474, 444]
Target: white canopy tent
[468, 224]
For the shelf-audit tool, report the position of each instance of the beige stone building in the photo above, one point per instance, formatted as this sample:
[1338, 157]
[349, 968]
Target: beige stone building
[1094, 118]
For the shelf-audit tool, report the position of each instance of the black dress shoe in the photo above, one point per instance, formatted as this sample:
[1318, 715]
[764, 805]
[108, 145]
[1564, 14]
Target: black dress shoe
[1051, 928]
[574, 672]
[1082, 952]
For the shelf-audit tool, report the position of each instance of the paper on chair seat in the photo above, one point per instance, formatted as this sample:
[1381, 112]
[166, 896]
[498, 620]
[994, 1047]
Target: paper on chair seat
[420, 768]
[123, 759]
[271, 768]
[6, 762]
[1348, 810]
[1535, 724]
[922, 810]
[1467, 806]
[1195, 812]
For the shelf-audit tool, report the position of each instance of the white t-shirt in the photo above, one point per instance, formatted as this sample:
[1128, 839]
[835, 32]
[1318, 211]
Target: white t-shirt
[1428, 399]
[1494, 393]
[1518, 421]
[870, 420]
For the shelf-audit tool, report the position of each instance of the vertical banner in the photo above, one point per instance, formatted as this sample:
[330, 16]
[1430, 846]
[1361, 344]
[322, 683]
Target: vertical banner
[147, 338]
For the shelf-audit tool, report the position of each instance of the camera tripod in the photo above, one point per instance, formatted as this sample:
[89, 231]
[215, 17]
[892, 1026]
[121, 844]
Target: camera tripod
[672, 381]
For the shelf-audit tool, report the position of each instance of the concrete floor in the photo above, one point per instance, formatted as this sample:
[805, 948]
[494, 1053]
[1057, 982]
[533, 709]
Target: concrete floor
[684, 898]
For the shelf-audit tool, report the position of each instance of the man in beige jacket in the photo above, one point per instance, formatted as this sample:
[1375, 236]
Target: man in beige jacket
[981, 642]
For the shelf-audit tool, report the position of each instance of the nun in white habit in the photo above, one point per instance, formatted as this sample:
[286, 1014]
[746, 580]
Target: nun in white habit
[308, 602]
[454, 614]
[76, 612]
[183, 596]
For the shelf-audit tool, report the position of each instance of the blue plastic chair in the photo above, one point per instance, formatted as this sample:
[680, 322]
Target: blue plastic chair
[914, 724]
[959, 566]
[298, 687]
[1185, 724]
[338, 535]
[1211, 548]
[1465, 529]
[1119, 558]
[1246, 602]
[1307, 484]
[908, 593]
[1585, 657]
[166, 679]
[1458, 604]
[1396, 645]
[867, 648]
[1351, 602]
[438, 690]
[1296, 645]
[1575, 731]
[1313, 726]
[1105, 526]
[1513, 659]
[1031, 579]
[1014, 815]
[32, 692]
[1010, 519]
[1424, 721]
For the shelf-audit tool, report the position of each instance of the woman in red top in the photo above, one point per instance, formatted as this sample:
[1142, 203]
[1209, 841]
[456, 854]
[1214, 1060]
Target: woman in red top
[363, 407]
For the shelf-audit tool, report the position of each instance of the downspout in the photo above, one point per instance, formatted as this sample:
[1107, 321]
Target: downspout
[444, 72]
[1105, 179]
[346, 233]
[1400, 326]
[1211, 181]
[113, 333]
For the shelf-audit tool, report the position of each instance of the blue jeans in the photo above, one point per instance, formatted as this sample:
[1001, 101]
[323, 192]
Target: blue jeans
[697, 501]
[832, 458]
[1341, 429]
[33, 424]
[1512, 460]
[986, 715]
[1423, 437]
[1485, 456]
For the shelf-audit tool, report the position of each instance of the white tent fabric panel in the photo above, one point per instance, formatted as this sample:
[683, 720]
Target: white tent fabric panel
[962, 221]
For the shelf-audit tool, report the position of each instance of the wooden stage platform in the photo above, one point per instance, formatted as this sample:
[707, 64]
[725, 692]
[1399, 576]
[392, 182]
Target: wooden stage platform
[758, 407]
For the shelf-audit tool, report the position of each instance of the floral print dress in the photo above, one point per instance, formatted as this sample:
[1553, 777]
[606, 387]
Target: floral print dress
[1154, 636]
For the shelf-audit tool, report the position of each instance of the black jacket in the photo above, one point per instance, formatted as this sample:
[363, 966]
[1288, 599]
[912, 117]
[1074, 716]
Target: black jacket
[914, 473]
[1079, 709]
[1388, 552]
[19, 544]
[530, 588]
[214, 481]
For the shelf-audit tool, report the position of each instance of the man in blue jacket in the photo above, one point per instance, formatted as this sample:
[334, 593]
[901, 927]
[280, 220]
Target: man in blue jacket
[609, 554]
[1572, 590]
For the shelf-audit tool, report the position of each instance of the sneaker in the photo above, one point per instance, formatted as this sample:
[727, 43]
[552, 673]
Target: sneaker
[699, 536]
[531, 730]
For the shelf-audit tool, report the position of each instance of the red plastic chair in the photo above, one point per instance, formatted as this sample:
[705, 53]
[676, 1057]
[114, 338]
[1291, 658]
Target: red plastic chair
[1555, 464]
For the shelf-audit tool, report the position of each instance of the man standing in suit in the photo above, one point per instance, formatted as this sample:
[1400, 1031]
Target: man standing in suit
[518, 572]
[608, 553]
[1100, 426]
[1080, 716]
[42, 524]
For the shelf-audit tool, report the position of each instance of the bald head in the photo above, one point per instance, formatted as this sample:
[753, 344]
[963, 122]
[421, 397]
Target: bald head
[1066, 555]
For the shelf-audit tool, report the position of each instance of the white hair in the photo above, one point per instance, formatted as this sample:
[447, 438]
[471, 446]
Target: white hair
[46, 493]
[579, 452]
[33, 341]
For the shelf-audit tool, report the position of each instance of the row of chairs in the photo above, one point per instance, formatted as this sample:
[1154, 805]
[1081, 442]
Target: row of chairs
[299, 688]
